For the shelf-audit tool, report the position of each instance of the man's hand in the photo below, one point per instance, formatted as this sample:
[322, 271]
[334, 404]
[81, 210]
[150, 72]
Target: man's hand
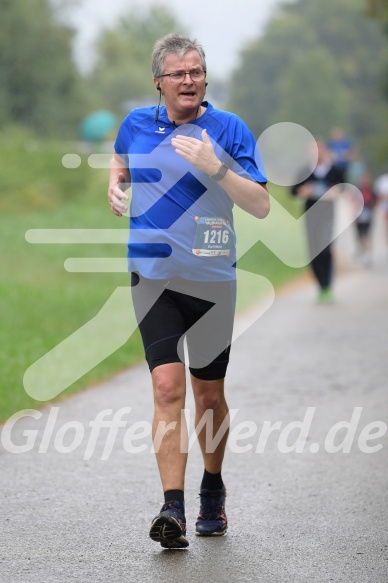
[247, 194]
[199, 153]
[116, 194]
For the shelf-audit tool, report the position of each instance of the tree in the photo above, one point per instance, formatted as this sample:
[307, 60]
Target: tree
[314, 53]
[378, 9]
[123, 69]
[40, 86]
[316, 102]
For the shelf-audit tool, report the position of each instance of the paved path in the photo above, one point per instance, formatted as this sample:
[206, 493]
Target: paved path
[313, 516]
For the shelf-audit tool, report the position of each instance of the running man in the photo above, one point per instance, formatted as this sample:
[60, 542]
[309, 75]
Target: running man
[188, 164]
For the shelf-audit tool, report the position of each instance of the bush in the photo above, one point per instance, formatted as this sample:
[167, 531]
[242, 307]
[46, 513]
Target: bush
[33, 176]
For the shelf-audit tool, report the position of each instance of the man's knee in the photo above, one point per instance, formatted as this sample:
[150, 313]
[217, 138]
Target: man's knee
[209, 395]
[169, 385]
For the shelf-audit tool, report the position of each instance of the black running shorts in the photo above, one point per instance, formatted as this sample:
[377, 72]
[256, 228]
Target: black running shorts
[168, 311]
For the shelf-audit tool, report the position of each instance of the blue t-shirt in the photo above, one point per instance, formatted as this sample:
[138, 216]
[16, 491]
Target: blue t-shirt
[340, 150]
[181, 221]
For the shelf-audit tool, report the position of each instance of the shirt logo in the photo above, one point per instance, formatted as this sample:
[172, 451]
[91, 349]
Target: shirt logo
[160, 130]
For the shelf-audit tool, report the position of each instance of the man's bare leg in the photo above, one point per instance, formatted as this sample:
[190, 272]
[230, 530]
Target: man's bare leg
[210, 401]
[169, 429]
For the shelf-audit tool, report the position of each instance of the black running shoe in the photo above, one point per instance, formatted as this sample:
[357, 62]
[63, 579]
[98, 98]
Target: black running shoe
[212, 519]
[169, 526]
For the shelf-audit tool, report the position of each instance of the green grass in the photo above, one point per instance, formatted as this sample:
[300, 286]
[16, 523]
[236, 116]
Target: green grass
[41, 303]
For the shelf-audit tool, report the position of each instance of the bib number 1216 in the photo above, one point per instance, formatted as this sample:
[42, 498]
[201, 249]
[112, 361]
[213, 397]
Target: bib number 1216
[214, 236]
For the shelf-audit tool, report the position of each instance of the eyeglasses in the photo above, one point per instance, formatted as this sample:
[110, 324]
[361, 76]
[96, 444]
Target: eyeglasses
[195, 75]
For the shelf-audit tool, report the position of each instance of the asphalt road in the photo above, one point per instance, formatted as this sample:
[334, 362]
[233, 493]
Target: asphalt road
[306, 503]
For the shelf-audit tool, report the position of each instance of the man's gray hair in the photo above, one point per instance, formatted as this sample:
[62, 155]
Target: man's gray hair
[176, 44]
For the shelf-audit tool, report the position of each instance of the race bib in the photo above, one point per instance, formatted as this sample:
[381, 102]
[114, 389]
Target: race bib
[213, 237]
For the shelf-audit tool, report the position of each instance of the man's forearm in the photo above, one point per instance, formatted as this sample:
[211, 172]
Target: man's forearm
[247, 194]
[116, 168]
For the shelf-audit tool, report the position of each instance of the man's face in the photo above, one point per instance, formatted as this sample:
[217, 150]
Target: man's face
[187, 95]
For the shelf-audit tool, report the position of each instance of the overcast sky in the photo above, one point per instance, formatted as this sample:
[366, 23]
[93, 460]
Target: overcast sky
[222, 26]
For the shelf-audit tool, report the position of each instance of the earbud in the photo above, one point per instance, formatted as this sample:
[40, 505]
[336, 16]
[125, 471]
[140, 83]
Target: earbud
[206, 84]
[158, 88]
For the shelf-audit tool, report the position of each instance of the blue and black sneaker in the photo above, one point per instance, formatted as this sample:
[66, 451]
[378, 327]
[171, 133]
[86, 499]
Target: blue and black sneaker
[212, 519]
[169, 526]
